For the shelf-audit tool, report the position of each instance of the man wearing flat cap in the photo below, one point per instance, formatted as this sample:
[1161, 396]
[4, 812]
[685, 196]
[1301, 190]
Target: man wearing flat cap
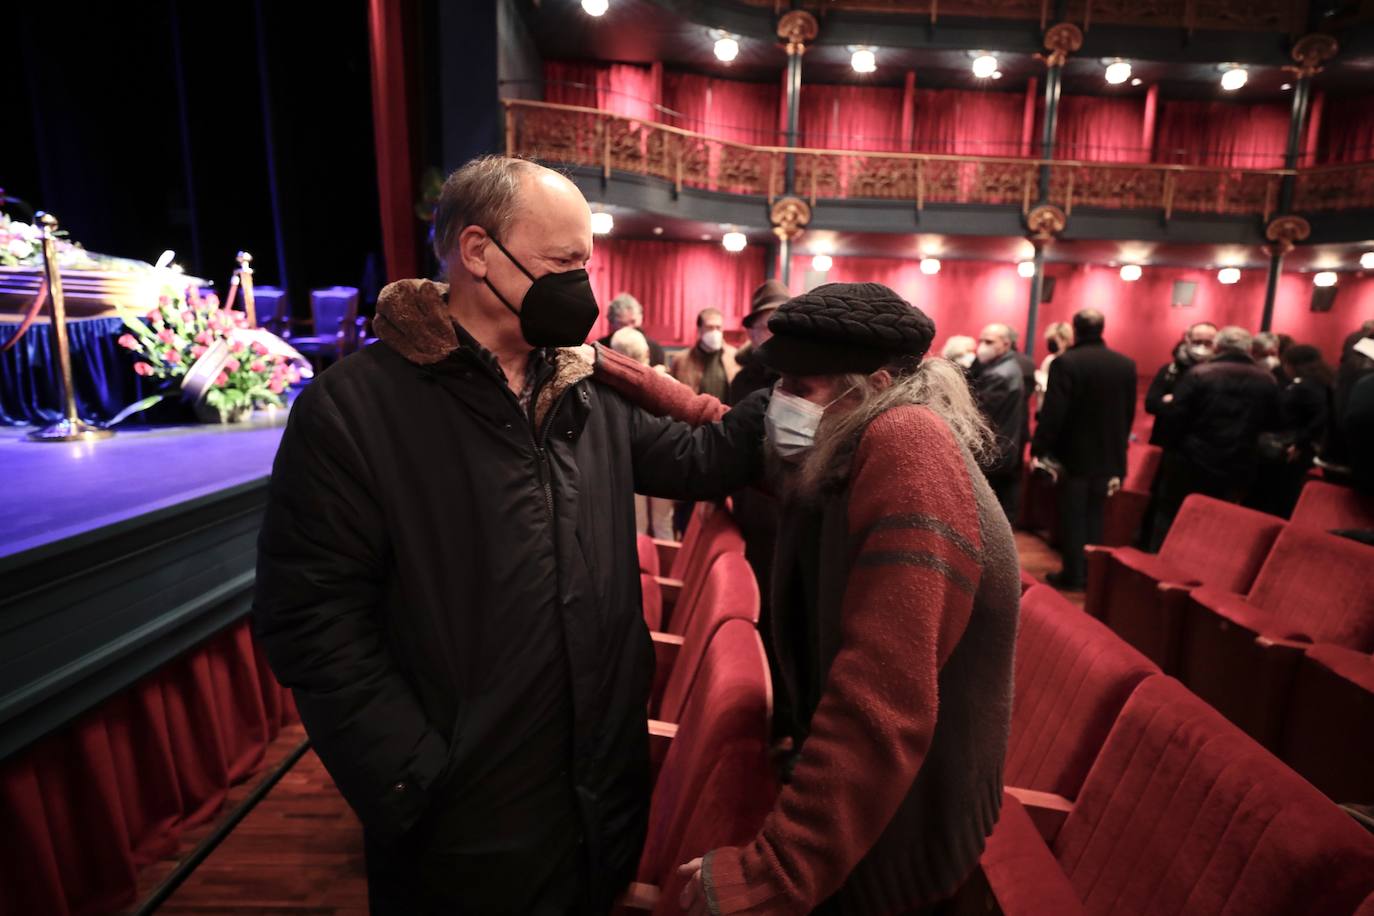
[753, 374]
[895, 597]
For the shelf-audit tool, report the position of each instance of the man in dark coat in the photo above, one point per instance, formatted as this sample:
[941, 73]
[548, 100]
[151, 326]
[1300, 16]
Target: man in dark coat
[1197, 346]
[999, 386]
[753, 374]
[626, 312]
[447, 574]
[1217, 414]
[1084, 428]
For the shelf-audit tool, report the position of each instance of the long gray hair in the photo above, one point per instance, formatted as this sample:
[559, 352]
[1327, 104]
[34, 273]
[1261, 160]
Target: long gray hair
[936, 383]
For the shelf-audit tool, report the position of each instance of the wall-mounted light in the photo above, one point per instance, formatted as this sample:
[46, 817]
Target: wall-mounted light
[734, 241]
[863, 59]
[595, 7]
[1026, 269]
[726, 45]
[1118, 71]
[1135, 81]
[1228, 275]
[1233, 77]
[602, 222]
[984, 65]
[1367, 260]
[822, 263]
[930, 266]
[1130, 272]
[1324, 278]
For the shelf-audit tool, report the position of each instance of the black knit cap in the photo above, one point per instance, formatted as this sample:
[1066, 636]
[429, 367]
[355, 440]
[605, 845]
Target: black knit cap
[846, 327]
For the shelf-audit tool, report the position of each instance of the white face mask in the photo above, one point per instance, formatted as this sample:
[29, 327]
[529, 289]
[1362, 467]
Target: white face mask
[1271, 362]
[966, 360]
[711, 341]
[1200, 353]
[791, 422]
[986, 353]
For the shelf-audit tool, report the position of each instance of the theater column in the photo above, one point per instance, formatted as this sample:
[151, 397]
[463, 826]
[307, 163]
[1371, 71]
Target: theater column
[1044, 220]
[1285, 230]
[796, 28]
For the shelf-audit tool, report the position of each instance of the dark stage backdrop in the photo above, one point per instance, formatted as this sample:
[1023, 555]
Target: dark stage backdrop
[202, 127]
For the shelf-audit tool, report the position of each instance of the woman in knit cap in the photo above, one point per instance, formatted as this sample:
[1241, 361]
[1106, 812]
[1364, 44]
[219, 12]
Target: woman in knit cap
[894, 600]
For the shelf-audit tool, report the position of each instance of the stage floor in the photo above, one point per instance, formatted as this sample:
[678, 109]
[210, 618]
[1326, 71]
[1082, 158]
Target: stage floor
[54, 491]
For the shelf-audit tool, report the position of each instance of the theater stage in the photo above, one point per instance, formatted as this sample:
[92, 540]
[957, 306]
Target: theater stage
[116, 556]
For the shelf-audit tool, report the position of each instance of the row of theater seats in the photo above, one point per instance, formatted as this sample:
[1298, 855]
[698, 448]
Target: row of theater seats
[1271, 622]
[1126, 792]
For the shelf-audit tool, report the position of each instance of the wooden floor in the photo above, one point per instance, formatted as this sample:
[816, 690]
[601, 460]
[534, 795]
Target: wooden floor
[300, 851]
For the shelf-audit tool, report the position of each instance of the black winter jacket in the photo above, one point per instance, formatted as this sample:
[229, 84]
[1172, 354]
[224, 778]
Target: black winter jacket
[449, 585]
[1088, 412]
[1219, 410]
[999, 387]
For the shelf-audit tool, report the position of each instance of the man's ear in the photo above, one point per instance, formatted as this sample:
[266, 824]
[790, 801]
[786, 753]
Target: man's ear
[881, 380]
[472, 248]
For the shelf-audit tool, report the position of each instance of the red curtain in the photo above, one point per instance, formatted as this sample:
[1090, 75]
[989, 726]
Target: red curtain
[728, 109]
[1141, 321]
[674, 281]
[1227, 134]
[1347, 129]
[630, 90]
[1100, 129]
[851, 117]
[968, 122]
[82, 810]
[391, 135]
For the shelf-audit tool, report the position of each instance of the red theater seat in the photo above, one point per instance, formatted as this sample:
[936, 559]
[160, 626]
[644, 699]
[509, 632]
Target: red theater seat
[1028, 581]
[1126, 509]
[652, 601]
[719, 536]
[1211, 542]
[1328, 507]
[1328, 727]
[648, 554]
[715, 787]
[1073, 675]
[1183, 814]
[1240, 651]
[730, 592]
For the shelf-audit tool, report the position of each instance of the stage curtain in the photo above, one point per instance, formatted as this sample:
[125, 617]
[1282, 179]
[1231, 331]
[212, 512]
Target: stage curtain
[1347, 130]
[967, 122]
[391, 135]
[1100, 129]
[629, 90]
[674, 281]
[1226, 134]
[82, 810]
[851, 117]
[726, 109]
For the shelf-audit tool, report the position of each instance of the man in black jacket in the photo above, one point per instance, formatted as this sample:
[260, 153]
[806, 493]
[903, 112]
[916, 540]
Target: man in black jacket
[1084, 428]
[998, 383]
[447, 575]
[1197, 346]
[1217, 414]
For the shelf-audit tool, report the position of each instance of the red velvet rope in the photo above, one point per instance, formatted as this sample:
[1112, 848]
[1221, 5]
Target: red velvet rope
[30, 316]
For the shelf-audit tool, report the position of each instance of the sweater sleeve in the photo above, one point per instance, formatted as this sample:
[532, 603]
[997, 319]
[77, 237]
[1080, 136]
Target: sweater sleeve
[653, 391]
[914, 568]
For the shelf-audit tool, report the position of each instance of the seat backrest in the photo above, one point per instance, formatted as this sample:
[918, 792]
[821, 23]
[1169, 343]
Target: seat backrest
[1073, 675]
[730, 592]
[1219, 543]
[1182, 813]
[1142, 464]
[651, 601]
[1318, 586]
[721, 745]
[648, 554]
[704, 516]
[719, 535]
[1327, 506]
[331, 307]
[272, 307]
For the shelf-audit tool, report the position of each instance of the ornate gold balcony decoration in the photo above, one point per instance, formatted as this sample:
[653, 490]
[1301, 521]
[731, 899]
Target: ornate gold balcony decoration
[1045, 222]
[1310, 52]
[1061, 41]
[1284, 232]
[573, 136]
[789, 217]
[797, 28]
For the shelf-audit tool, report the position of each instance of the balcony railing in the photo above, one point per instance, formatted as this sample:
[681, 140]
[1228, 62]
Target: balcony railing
[575, 136]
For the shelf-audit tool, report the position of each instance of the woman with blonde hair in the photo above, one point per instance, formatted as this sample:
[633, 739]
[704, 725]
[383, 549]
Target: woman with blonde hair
[1058, 338]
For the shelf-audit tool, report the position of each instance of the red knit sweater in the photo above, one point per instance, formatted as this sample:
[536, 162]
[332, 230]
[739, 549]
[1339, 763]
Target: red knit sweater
[916, 566]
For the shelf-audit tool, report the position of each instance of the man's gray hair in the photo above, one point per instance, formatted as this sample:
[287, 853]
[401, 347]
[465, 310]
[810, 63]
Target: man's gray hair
[1234, 338]
[631, 342]
[485, 192]
[624, 304]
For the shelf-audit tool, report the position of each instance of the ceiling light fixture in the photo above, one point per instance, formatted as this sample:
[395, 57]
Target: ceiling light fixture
[602, 222]
[1233, 77]
[822, 263]
[1118, 71]
[984, 65]
[1130, 272]
[595, 7]
[727, 45]
[1135, 81]
[863, 59]
[1228, 275]
[1026, 269]
[734, 241]
[1286, 86]
[1367, 260]
[930, 266]
[1324, 278]
[658, 230]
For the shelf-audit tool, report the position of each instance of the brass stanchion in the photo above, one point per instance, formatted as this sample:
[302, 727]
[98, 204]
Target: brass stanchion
[70, 428]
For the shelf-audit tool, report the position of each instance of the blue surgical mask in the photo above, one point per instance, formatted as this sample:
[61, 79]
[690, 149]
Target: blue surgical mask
[791, 422]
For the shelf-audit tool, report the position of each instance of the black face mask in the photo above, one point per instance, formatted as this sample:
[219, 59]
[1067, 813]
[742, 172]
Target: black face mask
[559, 309]
[1052, 345]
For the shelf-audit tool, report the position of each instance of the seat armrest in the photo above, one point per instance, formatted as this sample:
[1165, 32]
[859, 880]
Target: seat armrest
[661, 735]
[1047, 810]
[670, 589]
[1281, 644]
[640, 896]
[667, 648]
[1099, 569]
[667, 552]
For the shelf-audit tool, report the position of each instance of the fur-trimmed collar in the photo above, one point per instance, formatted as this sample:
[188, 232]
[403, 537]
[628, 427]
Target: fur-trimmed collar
[413, 319]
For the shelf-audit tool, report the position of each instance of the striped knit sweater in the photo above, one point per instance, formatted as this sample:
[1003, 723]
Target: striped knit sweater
[898, 782]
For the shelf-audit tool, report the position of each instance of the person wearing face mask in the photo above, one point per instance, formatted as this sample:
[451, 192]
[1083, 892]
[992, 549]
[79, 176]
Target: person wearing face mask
[708, 367]
[446, 570]
[961, 350]
[753, 374]
[1197, 346]
[1058, 339]
[1267, 351]
[895, 600]
[998, 383]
